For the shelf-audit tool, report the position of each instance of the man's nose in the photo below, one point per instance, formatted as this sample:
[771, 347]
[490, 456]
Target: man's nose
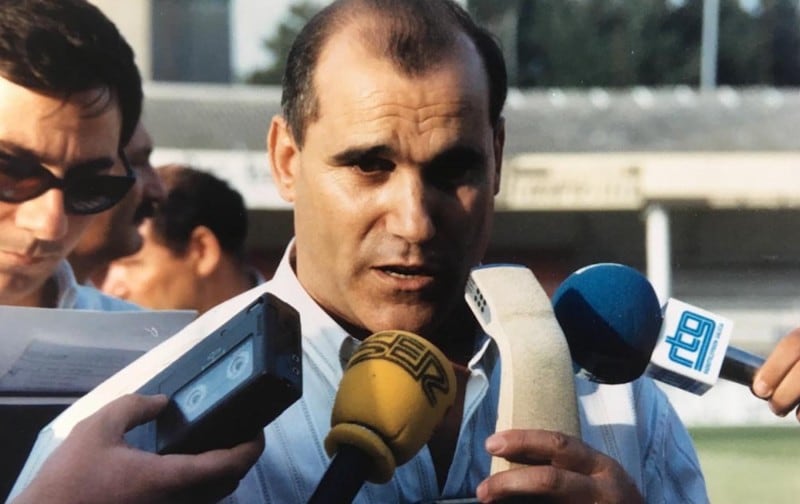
[410, 213]
[44, 216]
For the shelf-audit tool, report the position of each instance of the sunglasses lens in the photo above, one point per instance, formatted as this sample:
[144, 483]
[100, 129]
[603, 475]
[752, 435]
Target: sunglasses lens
[83, 194]
[88, 195]
[19, 183]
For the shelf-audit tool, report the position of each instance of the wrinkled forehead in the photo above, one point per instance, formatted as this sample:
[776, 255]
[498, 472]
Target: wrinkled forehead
[60, 130]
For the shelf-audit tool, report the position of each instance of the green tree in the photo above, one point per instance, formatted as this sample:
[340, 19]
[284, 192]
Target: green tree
[615, 43]
[781, 33]
[278, 45]
[582, 43]
[501, 18]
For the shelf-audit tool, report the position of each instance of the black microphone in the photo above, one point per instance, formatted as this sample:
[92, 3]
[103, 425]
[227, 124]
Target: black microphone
[616, 331]
[396, 389]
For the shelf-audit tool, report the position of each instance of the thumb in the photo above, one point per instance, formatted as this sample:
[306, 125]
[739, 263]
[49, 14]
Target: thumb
[130, 410]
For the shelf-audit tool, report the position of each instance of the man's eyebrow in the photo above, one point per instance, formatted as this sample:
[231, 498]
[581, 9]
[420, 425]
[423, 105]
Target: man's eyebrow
[18, 150]
[459, 153]
[352, 155]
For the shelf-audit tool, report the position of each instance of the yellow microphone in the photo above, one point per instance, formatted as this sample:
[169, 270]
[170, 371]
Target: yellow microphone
[395, 390]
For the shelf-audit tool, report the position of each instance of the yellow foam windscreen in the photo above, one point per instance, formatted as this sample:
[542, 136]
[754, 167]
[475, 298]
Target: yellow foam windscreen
[396, 389]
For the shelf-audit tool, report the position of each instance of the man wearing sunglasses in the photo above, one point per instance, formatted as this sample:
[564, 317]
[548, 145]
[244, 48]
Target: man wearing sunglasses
[70, 98]
[67, 105]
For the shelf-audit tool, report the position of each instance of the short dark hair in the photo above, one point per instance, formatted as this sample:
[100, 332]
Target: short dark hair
[417, 34]
[198, 198]
[63, 47]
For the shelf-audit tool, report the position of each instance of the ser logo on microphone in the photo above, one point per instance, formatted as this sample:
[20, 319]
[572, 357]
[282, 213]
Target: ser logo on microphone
[689, 344]
[414, 357]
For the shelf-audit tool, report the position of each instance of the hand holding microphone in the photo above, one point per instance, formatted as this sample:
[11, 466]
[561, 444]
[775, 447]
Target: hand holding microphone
[537, 450]
[778, 380]
[396, 389]
[536, 386]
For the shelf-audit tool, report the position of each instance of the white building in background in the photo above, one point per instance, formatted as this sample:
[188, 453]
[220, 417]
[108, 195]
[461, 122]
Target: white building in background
[177, 40]
[241, 25]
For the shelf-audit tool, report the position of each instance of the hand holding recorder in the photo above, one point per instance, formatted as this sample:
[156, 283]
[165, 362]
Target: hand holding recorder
[94, 464]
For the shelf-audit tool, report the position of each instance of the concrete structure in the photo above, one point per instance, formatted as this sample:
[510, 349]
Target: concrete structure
[132, 17]
[176, 40]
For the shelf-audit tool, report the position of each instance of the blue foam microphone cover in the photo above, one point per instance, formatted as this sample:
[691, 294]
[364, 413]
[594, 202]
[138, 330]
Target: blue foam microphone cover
[611, 319]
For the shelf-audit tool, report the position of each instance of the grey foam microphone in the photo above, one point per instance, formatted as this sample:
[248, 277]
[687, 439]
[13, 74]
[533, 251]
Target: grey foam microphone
[537, 388]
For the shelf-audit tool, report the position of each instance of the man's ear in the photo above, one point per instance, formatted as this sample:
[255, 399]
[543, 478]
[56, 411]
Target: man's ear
[204, 250]
[283, 157]
[499, 144]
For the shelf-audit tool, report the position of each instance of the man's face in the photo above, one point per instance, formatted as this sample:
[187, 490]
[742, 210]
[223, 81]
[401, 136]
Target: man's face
[154, 277]
[114, 233]
[393, 189]
[78, 136]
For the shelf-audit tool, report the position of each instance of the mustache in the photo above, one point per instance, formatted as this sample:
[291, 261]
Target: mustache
[33, 248]
[427, 256]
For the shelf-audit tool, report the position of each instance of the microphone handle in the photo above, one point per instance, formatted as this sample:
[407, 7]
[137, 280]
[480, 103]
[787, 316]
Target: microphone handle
[740, 366]
[344, 477]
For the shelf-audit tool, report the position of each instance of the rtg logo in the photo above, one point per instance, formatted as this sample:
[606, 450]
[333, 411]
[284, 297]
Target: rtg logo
[691, 347]
[692, 341]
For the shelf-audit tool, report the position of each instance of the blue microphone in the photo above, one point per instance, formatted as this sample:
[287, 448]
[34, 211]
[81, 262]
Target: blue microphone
[617, 330]
[611, 318]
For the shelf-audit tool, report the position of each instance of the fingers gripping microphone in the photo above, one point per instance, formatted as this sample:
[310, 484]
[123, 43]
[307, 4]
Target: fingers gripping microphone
[396, 389]
[536, 380]
[616, 331]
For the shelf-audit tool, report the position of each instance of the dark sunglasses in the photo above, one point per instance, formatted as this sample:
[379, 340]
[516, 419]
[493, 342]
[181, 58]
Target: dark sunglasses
[84, 193]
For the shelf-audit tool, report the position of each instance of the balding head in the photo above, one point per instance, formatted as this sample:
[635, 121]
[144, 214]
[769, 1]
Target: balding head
[414, 35]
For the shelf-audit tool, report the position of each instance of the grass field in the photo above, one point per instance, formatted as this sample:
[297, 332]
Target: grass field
[750, 464]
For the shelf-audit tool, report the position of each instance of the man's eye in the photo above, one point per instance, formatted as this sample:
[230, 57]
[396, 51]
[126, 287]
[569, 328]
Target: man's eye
[17, 168]
[451, 175]
[373, 165]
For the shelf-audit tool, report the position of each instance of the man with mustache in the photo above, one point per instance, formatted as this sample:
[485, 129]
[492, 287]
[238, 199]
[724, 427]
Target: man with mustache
[114, 233]
[70, 99]
[389, 147]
